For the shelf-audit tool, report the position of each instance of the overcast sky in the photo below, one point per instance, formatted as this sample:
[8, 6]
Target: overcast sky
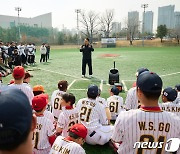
[63, 11]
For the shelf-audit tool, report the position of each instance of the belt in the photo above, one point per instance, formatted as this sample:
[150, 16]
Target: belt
[92, 134]
[55, 118]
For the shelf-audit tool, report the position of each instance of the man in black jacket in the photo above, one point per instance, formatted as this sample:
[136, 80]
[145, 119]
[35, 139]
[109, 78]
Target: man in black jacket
[86, 50]
[10, 53]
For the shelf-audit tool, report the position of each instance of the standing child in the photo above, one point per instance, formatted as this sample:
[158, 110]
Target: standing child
[44, 134]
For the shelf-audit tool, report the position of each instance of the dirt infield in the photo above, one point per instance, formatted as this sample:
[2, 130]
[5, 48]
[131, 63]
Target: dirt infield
[108, 55]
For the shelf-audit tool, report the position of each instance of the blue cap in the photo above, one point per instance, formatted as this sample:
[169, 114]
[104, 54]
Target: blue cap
[141, 70]
[149, 82]
[170, 93]
[93, 90]
[177, 87]
[15, 116]
[115, 90]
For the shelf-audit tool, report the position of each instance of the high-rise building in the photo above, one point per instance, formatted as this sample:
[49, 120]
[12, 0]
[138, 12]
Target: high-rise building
[166, 16]
[133, 23]
[44, 20]
[148, 22]
[116, 27]
[177, 20]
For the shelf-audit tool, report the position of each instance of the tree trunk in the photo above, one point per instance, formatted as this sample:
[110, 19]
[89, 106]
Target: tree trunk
[161, 40]
[178, 39]
[130, 42]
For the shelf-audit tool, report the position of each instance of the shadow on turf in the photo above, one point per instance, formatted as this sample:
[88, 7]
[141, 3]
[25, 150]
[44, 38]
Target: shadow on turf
[98, 149]
[95, 79]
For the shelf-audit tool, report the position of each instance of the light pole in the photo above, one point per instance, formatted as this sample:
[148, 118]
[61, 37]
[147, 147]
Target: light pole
[18, 9]
[144, 6]
[78, 11]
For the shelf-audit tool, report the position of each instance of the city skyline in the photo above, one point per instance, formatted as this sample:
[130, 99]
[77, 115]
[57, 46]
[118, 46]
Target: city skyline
[63, 12]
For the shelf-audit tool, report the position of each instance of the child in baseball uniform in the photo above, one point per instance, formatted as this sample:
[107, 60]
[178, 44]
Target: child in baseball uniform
[72, 144]
[37, 90]
[131, 101]
[44, 134]
[93, 116]
[115, 103]
[168, 96]
[104, 102]
[56, 97]
[69, 115]
[148, 123]
[177, 88]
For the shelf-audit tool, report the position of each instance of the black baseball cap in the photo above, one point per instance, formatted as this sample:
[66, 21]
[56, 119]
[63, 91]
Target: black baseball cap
[149, 82]
[177, 87]
[93, 90]
[170, 93]
[141, 70]
[115, 90]
[15, 116]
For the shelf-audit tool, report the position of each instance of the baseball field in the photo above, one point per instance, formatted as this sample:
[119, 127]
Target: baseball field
[65, 64]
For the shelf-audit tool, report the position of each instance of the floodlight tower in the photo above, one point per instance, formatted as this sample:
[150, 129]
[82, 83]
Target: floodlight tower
[18, 9]
[78, 38]
[144, 6]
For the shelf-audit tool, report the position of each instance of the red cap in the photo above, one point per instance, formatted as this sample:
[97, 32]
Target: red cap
[0, 74]
[39, 102]
[79, 129]
[18, 72]
[11, 81]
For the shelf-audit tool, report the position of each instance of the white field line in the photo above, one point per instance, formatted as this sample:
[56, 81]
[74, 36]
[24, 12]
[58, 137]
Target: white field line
[71, 84]
[79, 89]
[169, 74]
[62, 74]
[125, 87]
[128, 80]
[101, 85]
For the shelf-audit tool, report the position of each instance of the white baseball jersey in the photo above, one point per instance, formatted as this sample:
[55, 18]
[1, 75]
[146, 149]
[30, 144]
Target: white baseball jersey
[63, 146]
[115, 104]
[131, 99]
[102, 101]
[92, 113]
[6, 51]
[26, 89]
[67, 118]
[144, 126]
[21, 49]
[44, 129]
[55, 103]
[171, 107]
[177, 100]
[31, 49]
[43, 49]
[49, 115]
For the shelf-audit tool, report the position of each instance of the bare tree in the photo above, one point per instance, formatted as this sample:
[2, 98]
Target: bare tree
[132, 24]
[177, 34]
[89, 24]
[106, 22]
